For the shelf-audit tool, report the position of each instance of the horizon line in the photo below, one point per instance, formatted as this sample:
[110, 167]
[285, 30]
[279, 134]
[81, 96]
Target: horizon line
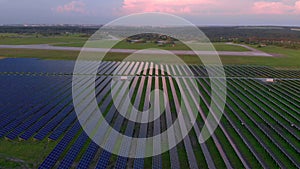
[199, 25]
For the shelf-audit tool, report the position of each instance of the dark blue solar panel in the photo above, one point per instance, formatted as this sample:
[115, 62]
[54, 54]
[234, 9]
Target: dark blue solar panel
[138, 163]
[36, 65]
[14, 122]
[16, 115]
[9, 109]
[63, 127]
[50, 126]
[73, 152]
[121, 162]
[52, 158]
[27, 117]
[88, 156]
[29, 121]
[103, 160]
[34, 128]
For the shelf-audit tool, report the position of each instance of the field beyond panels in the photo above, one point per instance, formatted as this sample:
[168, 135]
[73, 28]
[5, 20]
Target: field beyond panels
[260, 127]
[79, 40]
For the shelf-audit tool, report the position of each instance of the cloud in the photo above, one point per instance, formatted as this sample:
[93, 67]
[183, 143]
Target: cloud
[74, 6]
[297, 7]
[266, 7]
[213, 7]
[168, 6]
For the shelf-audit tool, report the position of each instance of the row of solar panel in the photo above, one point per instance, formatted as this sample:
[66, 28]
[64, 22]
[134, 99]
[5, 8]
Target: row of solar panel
[283, 135]
[64, 115]
[239, 84]
[52, 102]
[34, 66]
[272, 109]
[104, 158]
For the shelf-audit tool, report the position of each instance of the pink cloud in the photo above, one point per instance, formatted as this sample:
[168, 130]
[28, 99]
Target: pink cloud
[74, 6]
[168, 6]
[264, 7]
[213, 7]
[297, 7]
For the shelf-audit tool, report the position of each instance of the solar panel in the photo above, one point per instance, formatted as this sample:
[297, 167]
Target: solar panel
[88, 156]
[187, 143]
[50, 126]
[140, 69]
[146, 67]
[63, 127]
[111, 70]
[139, 162]
[38, 113]
[13, 123]
[29, 121]
[103, 67]
[171, 138]
[103, 160]
[128, 69]
[73, 152]
[42, 121]
[134, 69]
[52, 158]
[121, 163]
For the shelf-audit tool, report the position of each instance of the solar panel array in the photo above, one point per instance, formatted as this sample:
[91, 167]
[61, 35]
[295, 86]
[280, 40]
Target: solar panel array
[260, 127]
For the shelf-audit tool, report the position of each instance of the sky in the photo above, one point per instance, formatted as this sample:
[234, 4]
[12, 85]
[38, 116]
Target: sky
[199, 12]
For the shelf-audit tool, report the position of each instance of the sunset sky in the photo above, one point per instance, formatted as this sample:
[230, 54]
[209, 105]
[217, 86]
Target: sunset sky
[199, 12]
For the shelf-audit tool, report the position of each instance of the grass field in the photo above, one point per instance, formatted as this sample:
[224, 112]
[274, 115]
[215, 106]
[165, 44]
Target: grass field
[77, 40]
[14, 154]
[18, 39]
[289, 59]
[178, 46]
